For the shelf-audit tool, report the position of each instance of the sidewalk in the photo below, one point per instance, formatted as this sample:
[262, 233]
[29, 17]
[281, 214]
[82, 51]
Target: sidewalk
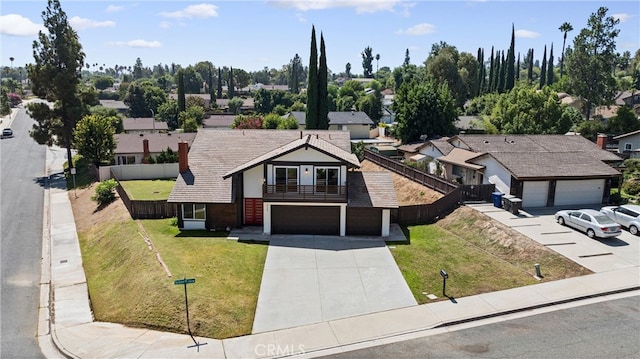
[76, 335]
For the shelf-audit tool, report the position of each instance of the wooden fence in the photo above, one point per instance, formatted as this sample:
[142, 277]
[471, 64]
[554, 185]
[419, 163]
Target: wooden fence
[147, 209]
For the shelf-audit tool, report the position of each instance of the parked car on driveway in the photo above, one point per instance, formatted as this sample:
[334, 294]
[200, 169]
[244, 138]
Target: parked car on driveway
[627, 215]
[7, 132]
[590, 221]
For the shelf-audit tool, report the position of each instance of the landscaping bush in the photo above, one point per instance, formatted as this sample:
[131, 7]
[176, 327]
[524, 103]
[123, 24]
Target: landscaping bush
[632, 187]
[105, 192]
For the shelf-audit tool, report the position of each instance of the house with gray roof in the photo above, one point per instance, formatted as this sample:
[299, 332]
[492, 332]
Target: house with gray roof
[285, 181]
[136, 148]
[143, 124]
[357, 123]
[542, 170]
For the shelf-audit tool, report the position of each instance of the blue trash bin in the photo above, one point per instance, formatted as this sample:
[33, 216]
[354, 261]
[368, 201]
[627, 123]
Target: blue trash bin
[497, 199]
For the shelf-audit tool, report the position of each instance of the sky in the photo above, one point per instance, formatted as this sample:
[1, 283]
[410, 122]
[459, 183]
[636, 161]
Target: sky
[253, 34]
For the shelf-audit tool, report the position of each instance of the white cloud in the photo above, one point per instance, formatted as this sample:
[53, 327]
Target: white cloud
[114, 8]
[80, 23]
[200, 11]
[420, 29]
[301, 17]
[621, 17]
[361, 6]
[526, 34]
[18, 25]
[165, 25]
[136, 43]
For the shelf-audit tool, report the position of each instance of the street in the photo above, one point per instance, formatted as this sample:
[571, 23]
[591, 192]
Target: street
[21, 197]
[608, 329]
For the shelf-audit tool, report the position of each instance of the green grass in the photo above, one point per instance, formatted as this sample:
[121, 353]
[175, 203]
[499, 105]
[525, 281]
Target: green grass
[128, 285]
[83, 177]
[149, 190]
[474, 262]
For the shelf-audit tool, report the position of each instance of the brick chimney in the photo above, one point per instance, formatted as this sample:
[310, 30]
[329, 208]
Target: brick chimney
[145, 151]
[183, 156]
[602, 141]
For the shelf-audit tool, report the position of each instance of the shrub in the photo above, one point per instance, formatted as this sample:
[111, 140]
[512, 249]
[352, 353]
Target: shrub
[631, 187]
[105, 192]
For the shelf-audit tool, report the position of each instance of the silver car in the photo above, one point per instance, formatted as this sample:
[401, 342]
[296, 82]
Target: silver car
[590, 221]
[626, 215]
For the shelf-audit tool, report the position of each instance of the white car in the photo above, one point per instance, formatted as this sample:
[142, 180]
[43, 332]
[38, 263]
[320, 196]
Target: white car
[590, 221]
[626, 215]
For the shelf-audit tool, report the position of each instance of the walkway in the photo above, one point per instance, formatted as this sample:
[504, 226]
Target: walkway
[313, 279]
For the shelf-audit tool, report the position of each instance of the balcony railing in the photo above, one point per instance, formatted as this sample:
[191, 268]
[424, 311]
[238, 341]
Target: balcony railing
[311, 193]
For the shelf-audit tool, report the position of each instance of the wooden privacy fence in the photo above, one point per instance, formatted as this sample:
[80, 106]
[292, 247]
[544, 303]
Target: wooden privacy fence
[147, 209]
[428, 213]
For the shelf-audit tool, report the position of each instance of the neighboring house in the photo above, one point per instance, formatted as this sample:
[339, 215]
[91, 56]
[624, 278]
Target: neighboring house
[134, 148]
[469, 124]
[542, 170]
[286, 181]
[218, 120]
[143, 125]
[605, 112]
[116, 105]
[629, 144]
[429, 150]
[628, 98]
[357, 123]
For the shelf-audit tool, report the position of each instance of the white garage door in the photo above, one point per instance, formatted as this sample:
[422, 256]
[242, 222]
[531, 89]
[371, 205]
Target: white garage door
[579, 192]
[534, 193]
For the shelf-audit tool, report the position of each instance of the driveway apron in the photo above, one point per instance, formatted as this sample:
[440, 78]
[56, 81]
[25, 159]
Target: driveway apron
[312, 279]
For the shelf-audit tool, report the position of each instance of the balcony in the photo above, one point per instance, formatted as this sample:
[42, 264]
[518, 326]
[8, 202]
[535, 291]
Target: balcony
[307, 193]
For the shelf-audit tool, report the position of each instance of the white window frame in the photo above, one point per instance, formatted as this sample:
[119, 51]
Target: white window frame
[195, 210]
[628, 146]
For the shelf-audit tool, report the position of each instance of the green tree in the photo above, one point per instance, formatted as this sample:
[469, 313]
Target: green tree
[312, 112]
[407, 59]
[94, 138]
[219, 94]
[424, 108]
[192, 80]
[543, 69]
[235, 105]
[347, 70]
[295, 67]
[271, 121]
[524, 110]
[624, 121]
[530, 66]
[323, 105]
[564, 28]
[168, 112]
[137, 69]
[262, 102]
[55, 75]
[103, 82]
[590, 62]
[5, 108]
[549, 73]
[371, 104]
[289, 123]
[590, 129]
[511, 59]
[367, 62]
[143, 98]
[231, 87]
[182, 101]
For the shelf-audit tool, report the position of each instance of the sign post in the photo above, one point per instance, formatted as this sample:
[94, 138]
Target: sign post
[184, 282]
[444, 282]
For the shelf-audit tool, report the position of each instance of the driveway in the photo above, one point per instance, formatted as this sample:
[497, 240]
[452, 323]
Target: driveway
[312, 279]
[598, 255]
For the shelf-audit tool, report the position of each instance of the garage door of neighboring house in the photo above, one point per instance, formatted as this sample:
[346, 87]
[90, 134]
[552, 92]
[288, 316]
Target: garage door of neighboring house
[364, 221]
[534, 193]
[253, 211]
[324, 220]
[578, 192]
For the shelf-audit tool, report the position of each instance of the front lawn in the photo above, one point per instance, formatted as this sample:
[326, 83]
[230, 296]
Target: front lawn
[148, 190]
[128, 285]
[479, 255]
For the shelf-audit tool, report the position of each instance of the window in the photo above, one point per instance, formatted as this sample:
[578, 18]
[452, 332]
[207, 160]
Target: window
[286, 179]
[194, 211]
[126, 160]
[585, 217]
[628, 146]
[327, 179]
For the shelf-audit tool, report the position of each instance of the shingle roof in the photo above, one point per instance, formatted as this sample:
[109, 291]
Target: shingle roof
[535, 156]
[627, 134]
[461, 157]
[371, 189]
[132, 142]
[307, 141]
[412, 147]
[217, 151]
[113, 104]
[143, 123]
[443, 145]
[338, 118]
[220, 121]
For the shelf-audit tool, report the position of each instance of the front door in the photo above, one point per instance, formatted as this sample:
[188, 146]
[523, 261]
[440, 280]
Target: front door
[253, 213]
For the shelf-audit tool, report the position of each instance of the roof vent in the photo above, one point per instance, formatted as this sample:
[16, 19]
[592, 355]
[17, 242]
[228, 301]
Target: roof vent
[485, 141]
[512, 141]
[142, 134]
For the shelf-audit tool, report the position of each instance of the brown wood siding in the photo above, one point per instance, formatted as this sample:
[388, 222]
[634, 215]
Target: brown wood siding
[364, 221]
[322, 220]
[221, 215]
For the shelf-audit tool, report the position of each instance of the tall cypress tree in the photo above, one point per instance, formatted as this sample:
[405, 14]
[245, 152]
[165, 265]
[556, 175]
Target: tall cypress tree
[181, 96]
[550, 67]
[323, 105]
[232, 87]
[502, 75]
[311, 115]
[518, 68]
[530, 66]
[511, 59]
[480, 59]
[491, 72]
[219, 82]
[212, 96]
[543, 70]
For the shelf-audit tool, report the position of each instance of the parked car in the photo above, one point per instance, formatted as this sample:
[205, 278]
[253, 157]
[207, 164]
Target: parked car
[590, 221]
[7, 132]
[626, 215]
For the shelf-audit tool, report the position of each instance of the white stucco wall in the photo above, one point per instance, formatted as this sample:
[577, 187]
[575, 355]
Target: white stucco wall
[308, 155]
[493, 168]
[386, 219]
[355, 131]
[431, 151]
[252, 182]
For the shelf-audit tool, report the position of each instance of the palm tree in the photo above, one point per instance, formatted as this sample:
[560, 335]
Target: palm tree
[11, 59]
[377, 59]
[564, 28]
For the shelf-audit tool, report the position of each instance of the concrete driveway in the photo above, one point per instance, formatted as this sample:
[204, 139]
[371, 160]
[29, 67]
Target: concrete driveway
[312, 279]
[598, 255]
